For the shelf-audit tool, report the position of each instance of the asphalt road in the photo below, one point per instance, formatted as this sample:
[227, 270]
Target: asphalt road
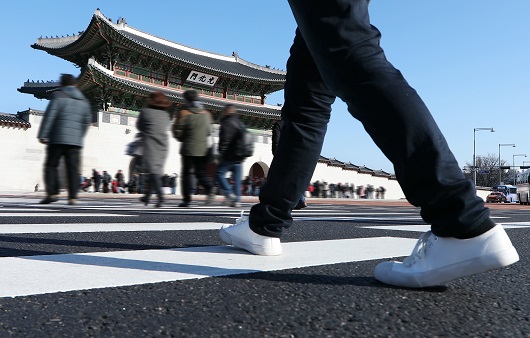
[110, 267]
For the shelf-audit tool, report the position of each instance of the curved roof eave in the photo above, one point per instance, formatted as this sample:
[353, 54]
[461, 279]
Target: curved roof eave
[184, 54]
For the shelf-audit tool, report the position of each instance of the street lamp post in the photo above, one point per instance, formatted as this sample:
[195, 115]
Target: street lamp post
[503, 145]
[514, 172]
[474, 151]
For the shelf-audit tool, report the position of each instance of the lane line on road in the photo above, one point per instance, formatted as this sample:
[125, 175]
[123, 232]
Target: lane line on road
[62, 214]
[104, 227]
[32, 275]
[427, 227]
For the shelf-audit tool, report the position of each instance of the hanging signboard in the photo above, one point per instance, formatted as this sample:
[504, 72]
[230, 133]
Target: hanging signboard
[201, 78]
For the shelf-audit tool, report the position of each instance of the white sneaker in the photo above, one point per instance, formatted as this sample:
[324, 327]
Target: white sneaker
[437, 260]
[241, 236]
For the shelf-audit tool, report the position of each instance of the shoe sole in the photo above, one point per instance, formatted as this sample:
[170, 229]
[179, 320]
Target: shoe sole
[252, 248]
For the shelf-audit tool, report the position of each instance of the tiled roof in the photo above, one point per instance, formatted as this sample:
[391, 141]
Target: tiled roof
[232, 66]
[350, 166]
[13, 121]
[198, 59]
[41, 90]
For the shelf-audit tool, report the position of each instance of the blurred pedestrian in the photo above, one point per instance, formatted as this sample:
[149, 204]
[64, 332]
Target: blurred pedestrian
[229, 160]
[63, 129]
[153, 124]
[193, 127]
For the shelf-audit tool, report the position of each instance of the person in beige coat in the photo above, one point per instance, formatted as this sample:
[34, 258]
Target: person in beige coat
[193, 127]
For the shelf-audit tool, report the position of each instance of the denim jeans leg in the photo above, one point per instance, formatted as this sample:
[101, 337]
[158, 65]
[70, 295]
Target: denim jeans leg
[220, 175]
[354, 67]
[306, 112]
[236, 172]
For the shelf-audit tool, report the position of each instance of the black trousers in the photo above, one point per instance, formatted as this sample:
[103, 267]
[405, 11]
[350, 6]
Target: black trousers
[71, 155]
[336, 52]
[198, 164]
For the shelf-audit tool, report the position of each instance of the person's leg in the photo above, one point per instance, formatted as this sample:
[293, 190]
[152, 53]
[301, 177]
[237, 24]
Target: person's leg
[156, 185]
[220, 175]
[354, 66]
[201, 162]
[72, 156]
[236, 172]
[306, 113]
[187, 163]
[51, 178]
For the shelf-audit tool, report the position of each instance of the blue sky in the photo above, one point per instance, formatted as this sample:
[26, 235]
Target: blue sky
[469, 60]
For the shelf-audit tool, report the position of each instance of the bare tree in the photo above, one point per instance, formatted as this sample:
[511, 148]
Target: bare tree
[487, 168]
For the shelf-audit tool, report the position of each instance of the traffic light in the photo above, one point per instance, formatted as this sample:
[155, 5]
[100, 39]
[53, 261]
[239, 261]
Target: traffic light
[505, 167]
[525, 167]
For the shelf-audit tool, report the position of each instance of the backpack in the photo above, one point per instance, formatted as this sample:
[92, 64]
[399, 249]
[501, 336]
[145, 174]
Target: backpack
[244, 143]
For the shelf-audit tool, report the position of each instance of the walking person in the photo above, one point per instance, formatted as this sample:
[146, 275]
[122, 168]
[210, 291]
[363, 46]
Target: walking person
[153, 124]
[63, 129]
[96, 177]
[120, 178]
[106, 179]
[336, 52]
[229, 159]
[193, 127]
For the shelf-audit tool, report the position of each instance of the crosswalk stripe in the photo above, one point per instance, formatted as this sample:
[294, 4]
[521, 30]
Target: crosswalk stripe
[345, 218]
[426, 227]
[104, 227]
[61, 214]
[4, 209]
[31, 275]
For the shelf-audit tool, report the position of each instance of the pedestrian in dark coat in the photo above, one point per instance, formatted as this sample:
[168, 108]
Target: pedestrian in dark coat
[153, 123]
[63, 129]
[229, 160]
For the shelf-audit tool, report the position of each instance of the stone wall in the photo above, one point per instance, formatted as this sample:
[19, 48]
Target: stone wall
[105, 143]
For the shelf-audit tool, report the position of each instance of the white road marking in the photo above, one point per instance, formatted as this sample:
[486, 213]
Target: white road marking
[345, 218]
[104, 227]
[31, 275]
[427, 227]
[61, 214]
[24, 209]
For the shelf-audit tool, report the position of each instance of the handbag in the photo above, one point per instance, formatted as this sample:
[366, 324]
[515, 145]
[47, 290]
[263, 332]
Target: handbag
[136, 147]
